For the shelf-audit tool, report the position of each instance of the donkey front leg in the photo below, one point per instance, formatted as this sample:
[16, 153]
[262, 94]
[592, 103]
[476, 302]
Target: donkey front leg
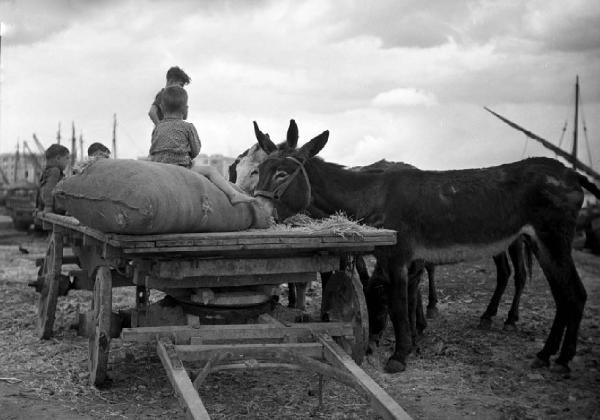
[398, 310]
[502, 276]
[432, 309]
[517, 255]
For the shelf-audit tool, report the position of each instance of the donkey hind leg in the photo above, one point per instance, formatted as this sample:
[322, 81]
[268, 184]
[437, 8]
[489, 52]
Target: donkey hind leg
[421, 319]
[569, 296]
[415, 305]
[292, 295]
[398, 310]
[502, 275]
[300, 295]
[432, 309]
[517, 255]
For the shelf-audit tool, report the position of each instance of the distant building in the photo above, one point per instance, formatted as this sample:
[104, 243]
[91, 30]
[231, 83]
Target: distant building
[218, 161]
[26, 169]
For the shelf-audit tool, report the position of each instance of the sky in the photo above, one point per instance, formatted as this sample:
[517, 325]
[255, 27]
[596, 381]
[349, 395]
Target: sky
[402, 80]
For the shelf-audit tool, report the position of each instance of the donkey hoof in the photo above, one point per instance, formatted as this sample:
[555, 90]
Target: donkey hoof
[394, 366]
[539, 363]
[560, 369]
[485, 324]
[510, 327]
[432, 312]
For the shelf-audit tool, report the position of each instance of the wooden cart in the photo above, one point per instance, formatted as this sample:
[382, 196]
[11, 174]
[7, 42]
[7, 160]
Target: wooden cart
[222, 261]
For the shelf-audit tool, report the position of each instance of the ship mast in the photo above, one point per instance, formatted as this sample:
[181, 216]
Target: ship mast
[572, 157]
[576, 121]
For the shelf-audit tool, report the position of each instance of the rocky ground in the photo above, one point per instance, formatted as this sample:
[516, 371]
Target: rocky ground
[458, 372]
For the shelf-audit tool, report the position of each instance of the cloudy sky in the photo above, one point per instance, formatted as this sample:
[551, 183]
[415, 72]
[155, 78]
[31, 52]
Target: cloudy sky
[397, 79]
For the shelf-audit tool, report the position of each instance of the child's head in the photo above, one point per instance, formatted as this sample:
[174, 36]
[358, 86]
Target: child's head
[98, 150]
[176, 76]
[174, 100]
[57, 155]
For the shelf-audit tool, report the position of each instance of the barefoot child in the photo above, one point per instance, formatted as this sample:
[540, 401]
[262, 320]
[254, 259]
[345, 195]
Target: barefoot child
[176, 141]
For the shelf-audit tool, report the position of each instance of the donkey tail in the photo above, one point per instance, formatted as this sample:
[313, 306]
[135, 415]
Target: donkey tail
[588, 185]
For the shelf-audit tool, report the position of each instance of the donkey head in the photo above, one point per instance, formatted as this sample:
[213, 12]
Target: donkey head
[244, 170]
[283, 181]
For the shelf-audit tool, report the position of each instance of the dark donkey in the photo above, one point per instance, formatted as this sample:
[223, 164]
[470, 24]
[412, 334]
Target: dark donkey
[445, 217]
[244, 172]
[519, 251]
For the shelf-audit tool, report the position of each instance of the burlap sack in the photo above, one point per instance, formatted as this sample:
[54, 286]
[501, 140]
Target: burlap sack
[142, 197]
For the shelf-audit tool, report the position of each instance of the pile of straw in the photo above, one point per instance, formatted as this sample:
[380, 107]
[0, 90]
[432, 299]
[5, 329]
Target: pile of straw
[338, 223]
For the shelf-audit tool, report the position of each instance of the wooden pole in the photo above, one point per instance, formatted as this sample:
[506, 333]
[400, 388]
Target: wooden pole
[567, 156]
[81, 146]
[17, 158]
[73, 145]
[576, 122]
[114, 138]
[58, 134]
[1, 30]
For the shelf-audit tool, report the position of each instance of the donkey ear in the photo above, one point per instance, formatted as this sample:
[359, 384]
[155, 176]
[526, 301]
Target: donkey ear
[264, 141]
[314, 146]
[292, 135]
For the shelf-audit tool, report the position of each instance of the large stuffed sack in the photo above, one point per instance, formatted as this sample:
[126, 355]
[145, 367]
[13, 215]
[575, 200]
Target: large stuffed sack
[141, 197]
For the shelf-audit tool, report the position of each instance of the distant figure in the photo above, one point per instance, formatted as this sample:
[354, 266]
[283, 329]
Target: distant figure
[57, 159]
[95, 151]
[176, 141]
[175, 77]
[98, 151]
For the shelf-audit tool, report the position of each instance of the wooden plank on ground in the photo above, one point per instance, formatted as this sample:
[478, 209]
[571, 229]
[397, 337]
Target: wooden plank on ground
[380, 400]
[247, 351]
[181, 381]
[178, 269]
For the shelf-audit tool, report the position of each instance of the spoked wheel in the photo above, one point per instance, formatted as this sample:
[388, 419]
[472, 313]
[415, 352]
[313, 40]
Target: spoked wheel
[344, 301]
[49, 278]
[99, 339]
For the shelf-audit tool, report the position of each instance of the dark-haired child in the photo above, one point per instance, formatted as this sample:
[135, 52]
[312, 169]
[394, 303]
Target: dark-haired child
[176, 141]
[57, 159]
[98, 151]
[175, 77]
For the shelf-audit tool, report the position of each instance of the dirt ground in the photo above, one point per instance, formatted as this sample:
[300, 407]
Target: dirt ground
[458, 372]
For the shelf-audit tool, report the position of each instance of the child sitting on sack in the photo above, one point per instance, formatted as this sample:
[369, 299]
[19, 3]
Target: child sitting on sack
[57, 159]
[176, 141]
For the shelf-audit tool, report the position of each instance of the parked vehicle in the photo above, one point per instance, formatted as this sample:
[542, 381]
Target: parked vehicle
[21, 203]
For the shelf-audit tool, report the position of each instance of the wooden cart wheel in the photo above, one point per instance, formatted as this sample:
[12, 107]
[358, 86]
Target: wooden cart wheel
[50, 277]
[99, 339]
[344, 301]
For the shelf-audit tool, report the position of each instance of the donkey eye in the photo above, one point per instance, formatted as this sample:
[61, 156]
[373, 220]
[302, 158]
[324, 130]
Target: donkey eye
[281, 175]
[254, 172]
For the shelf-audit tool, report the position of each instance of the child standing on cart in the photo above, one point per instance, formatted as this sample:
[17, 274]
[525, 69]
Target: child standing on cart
[176, 141]
[175, 77]
[57, 159]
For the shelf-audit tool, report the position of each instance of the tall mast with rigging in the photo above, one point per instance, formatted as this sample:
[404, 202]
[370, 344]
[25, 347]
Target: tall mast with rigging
[576, 122]
[569, 157]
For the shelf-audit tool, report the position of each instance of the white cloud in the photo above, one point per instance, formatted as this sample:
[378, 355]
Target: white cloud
[404, 97]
